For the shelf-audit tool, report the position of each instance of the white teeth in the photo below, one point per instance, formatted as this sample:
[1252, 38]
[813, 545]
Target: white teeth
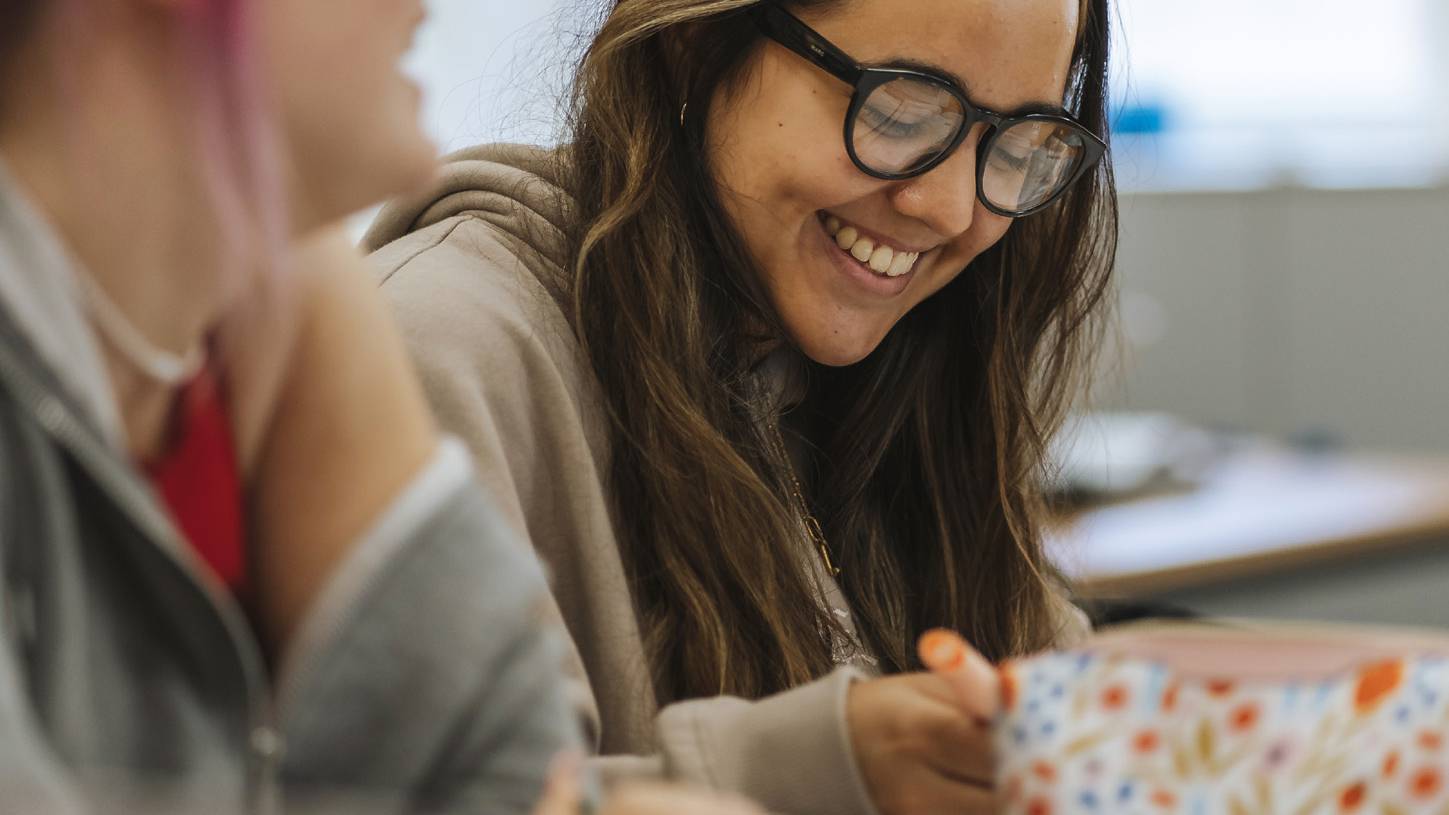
[881, 259]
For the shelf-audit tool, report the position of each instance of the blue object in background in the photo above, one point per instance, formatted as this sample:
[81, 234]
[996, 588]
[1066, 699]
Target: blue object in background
[1140, 119]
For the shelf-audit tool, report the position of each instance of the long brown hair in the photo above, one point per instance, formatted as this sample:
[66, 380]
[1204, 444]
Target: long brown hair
[18, 16]
[927, 454]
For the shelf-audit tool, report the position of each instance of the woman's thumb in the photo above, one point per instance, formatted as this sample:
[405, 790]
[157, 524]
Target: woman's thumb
[975, 681]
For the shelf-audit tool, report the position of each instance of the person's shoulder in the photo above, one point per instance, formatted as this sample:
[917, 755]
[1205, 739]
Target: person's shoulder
[510, 200]
[467, 285]
[489, 336]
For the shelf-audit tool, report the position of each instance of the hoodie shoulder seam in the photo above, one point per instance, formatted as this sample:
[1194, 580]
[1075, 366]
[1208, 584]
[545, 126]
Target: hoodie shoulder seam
[421, 250]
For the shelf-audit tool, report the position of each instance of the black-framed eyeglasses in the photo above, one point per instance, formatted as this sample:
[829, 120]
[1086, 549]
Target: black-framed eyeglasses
[904, 123]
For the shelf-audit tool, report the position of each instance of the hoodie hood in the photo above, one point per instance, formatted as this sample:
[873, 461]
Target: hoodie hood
[515, 188]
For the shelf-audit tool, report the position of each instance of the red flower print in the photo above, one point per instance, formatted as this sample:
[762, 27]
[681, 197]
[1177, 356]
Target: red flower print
[1352, 798]
[1429, 740]
[1115, 697]
[1391, 764]
[1426, 783]
[1220, 687]
[1146, 741]
[1243, 718]
[1375, 683]
[1044, 771]
[1039, 806]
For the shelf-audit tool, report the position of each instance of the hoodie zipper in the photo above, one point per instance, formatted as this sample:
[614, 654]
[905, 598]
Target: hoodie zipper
[57, 419]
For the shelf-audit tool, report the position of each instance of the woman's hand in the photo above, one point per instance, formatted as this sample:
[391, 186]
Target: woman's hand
[564, 797]
[923, 741]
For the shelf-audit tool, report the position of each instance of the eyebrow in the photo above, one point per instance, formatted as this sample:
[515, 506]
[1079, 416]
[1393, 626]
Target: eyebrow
[907, 64]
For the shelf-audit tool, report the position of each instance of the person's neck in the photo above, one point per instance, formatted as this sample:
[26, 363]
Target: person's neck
[107, 158]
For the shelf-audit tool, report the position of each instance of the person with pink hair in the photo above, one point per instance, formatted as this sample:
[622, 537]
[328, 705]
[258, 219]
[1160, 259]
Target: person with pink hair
[239, 566]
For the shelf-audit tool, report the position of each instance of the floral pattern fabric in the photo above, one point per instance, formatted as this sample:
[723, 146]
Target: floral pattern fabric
[1103, 733]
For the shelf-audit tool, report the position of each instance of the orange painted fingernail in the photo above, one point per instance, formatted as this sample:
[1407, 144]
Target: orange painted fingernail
[942, 650]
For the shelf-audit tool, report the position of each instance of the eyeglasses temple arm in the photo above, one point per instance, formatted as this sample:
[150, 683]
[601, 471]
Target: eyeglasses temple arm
[786, 29]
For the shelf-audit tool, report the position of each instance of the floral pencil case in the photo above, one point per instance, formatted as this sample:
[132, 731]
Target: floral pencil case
[1233, 719]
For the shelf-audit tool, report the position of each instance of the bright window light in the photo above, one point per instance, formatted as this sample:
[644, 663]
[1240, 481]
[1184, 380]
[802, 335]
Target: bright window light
[1243, 93]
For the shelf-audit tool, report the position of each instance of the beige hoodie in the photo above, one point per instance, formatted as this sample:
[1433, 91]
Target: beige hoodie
[471, 267]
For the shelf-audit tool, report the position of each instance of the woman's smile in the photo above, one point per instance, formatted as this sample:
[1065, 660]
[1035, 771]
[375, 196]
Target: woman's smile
[879, 266]
[883, 255]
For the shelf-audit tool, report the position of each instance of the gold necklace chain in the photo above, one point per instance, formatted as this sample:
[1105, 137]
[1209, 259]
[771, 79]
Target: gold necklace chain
[812, 525]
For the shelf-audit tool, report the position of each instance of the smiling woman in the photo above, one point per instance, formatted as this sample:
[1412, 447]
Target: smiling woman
[776, 170]
[762, 363]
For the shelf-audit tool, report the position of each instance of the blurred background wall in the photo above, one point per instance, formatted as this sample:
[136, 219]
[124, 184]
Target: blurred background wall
[493, 70]
[1285, 256]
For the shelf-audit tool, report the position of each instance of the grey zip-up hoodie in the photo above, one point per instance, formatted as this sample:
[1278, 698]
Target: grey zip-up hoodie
[424, 680]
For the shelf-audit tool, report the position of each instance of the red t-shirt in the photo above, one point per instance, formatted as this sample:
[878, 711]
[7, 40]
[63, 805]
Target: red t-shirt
[199, 479]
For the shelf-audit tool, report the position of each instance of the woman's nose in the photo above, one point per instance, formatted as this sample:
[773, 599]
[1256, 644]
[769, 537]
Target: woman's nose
[945, 197]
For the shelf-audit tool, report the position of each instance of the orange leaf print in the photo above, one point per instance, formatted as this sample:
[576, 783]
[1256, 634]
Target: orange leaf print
[1044, 771]
[1164, 799]
[1352, 798]
[1039, 806]
[1391, 764]
[1375, 683]
[1429, 740]
[1169, 697]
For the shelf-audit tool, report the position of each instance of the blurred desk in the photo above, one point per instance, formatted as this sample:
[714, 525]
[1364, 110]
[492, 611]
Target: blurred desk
[1275, 532]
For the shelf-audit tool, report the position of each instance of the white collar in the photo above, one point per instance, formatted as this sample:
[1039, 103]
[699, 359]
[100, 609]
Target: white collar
[39, 289]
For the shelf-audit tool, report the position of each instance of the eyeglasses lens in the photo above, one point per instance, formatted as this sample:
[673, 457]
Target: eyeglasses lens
[906, 123]
[1029, 163]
